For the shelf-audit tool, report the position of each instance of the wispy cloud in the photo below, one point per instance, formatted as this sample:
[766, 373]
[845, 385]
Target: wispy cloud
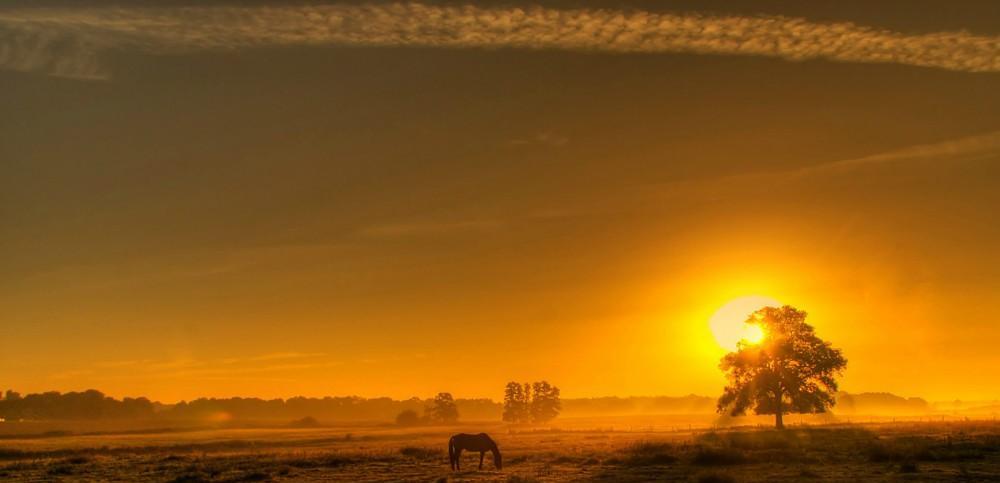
[543, 139]
[247, 366]
[939, 157]
[286, 355]
[942, 155]
[392, 230]
[217, 371]
[956, 150]
[68, 41]
[71, 374]
[125, 363]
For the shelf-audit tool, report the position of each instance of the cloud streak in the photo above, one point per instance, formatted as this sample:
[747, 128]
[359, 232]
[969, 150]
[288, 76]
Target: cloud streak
[248, 366]
[941, 155]
[416, 228]
[952, 151]
[69, 42]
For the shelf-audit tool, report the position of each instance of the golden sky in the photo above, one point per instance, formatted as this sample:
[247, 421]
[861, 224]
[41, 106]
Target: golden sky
[400, 199]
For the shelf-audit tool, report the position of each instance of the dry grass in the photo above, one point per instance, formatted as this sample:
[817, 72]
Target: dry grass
[912, 451]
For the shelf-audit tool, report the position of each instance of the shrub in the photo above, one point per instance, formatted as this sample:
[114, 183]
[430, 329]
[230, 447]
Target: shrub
[718, 457]
[520, 479]
[331, 461]
[255, 476]
[60, 469]
[646, 453]
[306, 422]
[190, 478]
[420, 453]
[408, 418]
[716, 478]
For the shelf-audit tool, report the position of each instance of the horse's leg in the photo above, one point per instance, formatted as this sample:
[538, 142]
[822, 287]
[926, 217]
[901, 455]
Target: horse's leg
[458, 459]
[481, 453]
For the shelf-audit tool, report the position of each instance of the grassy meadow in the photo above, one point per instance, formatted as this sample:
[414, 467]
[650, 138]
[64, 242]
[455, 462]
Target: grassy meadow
[901, 451]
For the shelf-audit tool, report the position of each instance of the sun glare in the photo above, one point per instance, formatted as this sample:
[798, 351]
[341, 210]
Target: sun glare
[728, 324]
[753, 334]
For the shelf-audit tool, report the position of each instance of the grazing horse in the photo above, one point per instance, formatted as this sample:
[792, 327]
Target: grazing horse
[472, 442]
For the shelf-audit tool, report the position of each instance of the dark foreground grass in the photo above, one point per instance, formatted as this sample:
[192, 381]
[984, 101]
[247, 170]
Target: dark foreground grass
[928, 452]
[914, 453]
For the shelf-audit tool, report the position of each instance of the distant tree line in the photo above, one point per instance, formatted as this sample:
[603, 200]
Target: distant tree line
[73, 405]
[603, 406]
[880, 403]
[441, 410]
[537, 402]
[516, 407]
[93, 405]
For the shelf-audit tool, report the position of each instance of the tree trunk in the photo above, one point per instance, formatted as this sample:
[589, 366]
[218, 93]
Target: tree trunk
[778, 423]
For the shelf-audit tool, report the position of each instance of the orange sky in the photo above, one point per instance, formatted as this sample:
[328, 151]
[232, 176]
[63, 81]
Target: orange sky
[360, 219]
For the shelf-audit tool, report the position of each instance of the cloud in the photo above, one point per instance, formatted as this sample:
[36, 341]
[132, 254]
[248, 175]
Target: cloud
[69, 41]
[936, 157]
[248, 366]
[226, 371]
[125, 363]
[393, 230]
[287, 355]
[542, 139]
[957, 150]
[940, 155]
[71, 374]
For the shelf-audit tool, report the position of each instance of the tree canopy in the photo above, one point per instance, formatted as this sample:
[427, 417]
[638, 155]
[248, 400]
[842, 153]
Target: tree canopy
[443, 409]
[537, 402]
[789, 370]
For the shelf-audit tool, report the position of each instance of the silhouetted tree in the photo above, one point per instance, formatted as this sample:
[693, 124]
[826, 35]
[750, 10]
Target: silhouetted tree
[515, 404]
[408, 418]
[789, 370]
[443, 409]
[545, 403]
[535, 402]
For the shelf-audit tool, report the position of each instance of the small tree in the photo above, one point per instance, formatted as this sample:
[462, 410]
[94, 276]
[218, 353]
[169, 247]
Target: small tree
[789, 370]
[545, 405]
[443, 409]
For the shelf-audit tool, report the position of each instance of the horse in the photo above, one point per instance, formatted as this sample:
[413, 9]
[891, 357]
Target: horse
[472, 442]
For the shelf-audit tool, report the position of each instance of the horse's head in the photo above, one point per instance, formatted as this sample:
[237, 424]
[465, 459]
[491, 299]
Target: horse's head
[496, 459]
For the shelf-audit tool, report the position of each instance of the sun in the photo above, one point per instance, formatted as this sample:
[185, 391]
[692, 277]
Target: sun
[728, 324]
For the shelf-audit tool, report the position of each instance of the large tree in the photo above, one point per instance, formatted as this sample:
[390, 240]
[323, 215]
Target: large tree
[789, 370]
[515, 403]
[545, 402]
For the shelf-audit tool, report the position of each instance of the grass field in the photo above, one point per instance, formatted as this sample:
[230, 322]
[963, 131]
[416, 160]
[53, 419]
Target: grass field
[910, 451]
